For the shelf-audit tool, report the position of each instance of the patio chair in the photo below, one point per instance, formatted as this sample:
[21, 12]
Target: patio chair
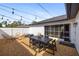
[53, 42]
[30, 42]
[36, 44]
[33, 43]
[52, 46]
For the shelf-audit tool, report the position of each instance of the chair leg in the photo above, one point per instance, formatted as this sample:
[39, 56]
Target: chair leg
[55, 48]
[53, 52]
[39, 50]
[35, 53]
[30, 44]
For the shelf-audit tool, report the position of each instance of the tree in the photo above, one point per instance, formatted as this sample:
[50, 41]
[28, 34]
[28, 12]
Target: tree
[0, 24]
[4, 22]
[19, 22]
[33, 22]
[15, 24]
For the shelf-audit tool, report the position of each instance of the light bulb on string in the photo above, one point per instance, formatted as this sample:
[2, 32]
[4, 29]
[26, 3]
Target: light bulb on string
[2, 17]
[21, 18]
[7, 19]
[12, 10]
[35, 17]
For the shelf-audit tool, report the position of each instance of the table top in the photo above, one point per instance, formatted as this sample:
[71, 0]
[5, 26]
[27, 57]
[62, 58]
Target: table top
[42, 39]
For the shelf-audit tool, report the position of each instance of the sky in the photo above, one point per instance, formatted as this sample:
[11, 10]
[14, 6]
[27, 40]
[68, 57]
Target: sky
[31, 11]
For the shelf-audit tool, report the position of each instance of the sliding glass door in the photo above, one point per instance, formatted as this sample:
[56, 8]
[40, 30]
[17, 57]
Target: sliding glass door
[59, 31]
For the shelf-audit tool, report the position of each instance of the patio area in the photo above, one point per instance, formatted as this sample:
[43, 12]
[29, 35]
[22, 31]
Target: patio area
[20, 47]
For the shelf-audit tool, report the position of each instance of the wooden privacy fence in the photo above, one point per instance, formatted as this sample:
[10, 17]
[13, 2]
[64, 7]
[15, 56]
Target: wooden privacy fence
[7, 32]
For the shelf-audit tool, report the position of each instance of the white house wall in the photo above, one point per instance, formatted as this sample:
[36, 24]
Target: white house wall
[36, 29]
[72, 31]
[77, 32]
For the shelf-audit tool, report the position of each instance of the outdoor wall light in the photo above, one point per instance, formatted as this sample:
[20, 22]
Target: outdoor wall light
[75, 24]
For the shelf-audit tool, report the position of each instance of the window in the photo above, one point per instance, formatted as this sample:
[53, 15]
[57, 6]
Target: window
[59, 31]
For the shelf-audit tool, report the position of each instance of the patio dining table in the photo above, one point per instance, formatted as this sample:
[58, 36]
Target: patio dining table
[41, 42]
[43, 39]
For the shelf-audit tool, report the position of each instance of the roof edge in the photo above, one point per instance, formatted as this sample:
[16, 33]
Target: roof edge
[71, 10]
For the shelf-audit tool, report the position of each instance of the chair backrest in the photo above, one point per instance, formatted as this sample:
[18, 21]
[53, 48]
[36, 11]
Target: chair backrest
[53, 42]
[46, 36]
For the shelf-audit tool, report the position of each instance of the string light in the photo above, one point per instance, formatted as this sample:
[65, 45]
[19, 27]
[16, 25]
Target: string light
[14, 14]
[13, 10]
[21, 18]
[20, 11]
[35, 18]
[44, 9]
[2, 17]
[7, 19]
